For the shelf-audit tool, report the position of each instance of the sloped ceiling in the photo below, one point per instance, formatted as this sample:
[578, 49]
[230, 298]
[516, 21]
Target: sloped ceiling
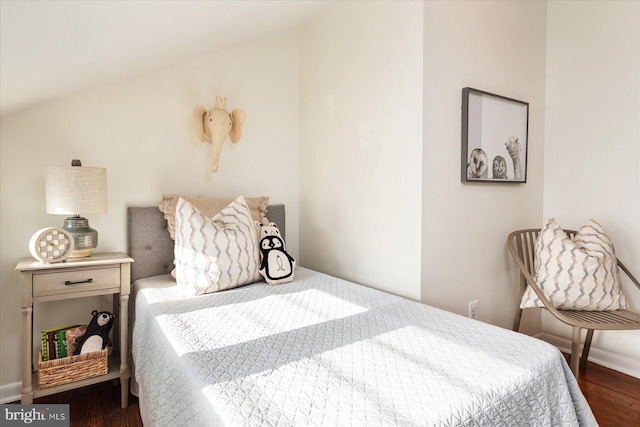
[51, 49]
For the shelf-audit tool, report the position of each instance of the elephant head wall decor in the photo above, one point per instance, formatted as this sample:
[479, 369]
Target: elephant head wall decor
[214, 125]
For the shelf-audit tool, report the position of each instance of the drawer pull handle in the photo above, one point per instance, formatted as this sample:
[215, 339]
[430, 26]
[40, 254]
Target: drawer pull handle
[69, 282]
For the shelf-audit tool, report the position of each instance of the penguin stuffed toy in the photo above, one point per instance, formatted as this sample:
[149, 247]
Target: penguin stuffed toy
[96, 337]
[277, 265]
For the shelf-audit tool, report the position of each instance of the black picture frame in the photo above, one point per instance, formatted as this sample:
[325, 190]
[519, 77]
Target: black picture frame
[495, 138]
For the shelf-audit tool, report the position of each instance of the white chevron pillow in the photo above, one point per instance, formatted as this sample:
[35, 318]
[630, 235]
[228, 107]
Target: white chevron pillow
[213, 254]
[578, 274]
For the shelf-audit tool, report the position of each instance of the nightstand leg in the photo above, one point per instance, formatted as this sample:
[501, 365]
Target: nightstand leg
[116, 324]
[27, 359]
[124, 351]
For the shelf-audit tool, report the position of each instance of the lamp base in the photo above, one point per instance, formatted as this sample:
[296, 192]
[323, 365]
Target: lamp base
[85, 238]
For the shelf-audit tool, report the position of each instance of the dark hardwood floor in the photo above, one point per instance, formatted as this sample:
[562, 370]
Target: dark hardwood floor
[98, 406]
[614, 399]
[613, 396]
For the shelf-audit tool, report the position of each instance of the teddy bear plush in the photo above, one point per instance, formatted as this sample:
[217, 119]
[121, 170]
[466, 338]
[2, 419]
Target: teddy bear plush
[96, 337]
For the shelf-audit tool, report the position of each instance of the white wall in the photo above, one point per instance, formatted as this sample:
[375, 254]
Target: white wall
[141, 130]
[361, 144]
[498, 47]
[592, 139]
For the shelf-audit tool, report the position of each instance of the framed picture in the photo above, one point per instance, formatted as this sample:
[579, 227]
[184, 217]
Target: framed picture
[494, 137]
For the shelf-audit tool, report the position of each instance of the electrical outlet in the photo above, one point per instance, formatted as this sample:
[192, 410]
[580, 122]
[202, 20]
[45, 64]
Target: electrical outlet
[473, 309]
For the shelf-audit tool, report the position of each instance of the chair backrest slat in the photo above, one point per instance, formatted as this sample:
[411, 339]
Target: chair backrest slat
[522, 243]
[531, 237]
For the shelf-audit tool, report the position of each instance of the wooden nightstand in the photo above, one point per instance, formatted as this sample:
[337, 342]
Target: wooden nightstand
[110, 274]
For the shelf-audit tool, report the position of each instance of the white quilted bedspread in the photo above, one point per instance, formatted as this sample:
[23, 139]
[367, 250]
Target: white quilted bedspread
[326, 352]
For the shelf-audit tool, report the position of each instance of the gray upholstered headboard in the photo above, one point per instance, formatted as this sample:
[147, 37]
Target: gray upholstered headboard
[151, 246]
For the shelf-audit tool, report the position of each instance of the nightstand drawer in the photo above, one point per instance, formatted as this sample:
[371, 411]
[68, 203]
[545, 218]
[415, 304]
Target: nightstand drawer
[88, 280]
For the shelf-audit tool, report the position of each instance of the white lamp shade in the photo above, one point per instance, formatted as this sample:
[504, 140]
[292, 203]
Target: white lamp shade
[76, 190]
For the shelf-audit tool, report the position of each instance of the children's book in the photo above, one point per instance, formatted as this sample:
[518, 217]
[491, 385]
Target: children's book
[51, 347]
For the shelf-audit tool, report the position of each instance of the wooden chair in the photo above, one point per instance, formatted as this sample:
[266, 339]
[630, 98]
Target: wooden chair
[521, 244]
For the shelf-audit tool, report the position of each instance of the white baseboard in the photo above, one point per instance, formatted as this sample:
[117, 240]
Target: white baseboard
[626, 365]
[10, 392]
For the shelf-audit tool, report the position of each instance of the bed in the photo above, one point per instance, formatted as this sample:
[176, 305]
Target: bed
[324, 351]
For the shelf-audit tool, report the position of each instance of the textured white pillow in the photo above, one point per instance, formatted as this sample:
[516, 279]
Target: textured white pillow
[213, 254]
[578, 274]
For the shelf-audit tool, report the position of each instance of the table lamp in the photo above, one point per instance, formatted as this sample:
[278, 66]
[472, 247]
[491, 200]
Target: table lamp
[76, 190]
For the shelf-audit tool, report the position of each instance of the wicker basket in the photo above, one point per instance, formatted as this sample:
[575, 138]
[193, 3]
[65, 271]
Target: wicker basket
[73, 368]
